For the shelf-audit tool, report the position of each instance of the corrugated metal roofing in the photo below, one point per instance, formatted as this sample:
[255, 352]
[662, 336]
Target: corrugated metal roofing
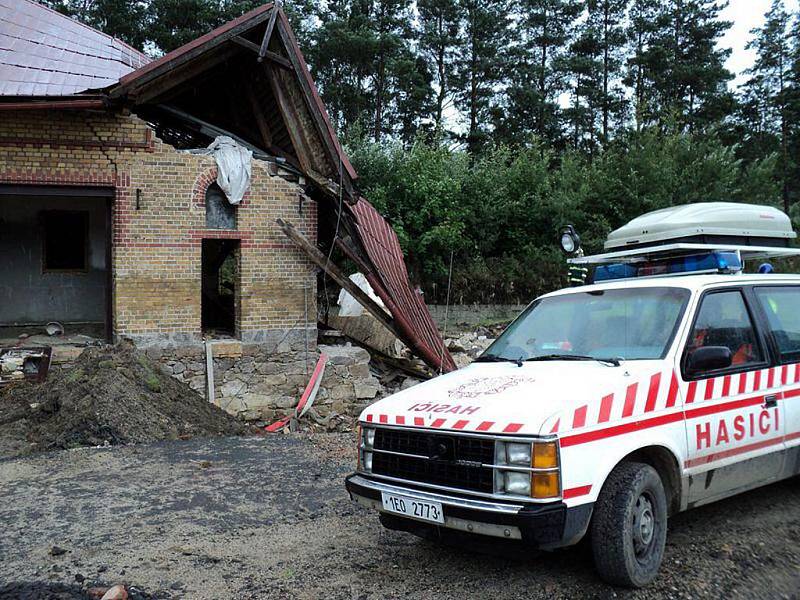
[407, 307]
[44, 53]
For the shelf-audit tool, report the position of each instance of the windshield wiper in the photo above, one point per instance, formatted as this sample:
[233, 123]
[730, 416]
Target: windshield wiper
[496, 358]
[610, 361]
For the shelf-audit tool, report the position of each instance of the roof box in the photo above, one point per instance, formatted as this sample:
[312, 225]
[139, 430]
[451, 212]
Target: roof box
[706, 223]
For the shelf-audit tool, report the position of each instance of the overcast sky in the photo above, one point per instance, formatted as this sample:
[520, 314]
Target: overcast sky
[745, 15]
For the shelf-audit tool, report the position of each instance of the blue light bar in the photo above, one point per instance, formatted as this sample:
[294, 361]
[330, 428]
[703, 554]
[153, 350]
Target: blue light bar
[712, 262]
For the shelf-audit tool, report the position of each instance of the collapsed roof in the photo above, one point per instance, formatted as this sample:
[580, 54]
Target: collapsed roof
[247, 79]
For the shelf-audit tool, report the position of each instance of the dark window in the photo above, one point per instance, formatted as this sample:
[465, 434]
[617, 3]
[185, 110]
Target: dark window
[65, 240]
[782, 305]
[723, 320]
[220, 214]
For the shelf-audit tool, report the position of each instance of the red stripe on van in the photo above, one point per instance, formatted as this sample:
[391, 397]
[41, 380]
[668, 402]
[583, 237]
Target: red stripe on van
[652, 393]
[630, 400]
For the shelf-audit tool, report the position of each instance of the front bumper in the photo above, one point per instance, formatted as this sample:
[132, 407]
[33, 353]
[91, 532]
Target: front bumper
[545, 526]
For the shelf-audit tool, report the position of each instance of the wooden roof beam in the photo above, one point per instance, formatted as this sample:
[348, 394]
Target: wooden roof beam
[262, 52]
[272, 56]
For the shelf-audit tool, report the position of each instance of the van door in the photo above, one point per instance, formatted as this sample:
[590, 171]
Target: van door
[733, 417]
[781, 308]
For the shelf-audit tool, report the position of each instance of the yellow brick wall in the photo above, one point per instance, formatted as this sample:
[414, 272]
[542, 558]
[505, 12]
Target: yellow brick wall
[156, 249]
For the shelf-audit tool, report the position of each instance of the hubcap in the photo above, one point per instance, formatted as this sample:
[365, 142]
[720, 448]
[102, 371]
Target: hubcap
[644, 525]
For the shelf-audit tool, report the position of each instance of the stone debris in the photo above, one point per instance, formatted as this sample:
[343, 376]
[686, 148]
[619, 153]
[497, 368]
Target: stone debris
[468, 346]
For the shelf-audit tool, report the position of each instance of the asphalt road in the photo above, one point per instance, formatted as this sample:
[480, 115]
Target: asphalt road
[269, 518]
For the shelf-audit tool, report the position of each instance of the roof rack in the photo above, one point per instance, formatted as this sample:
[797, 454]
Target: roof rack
[649, 253]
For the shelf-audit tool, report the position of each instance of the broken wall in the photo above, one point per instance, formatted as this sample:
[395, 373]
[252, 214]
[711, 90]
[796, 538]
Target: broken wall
[159, 224]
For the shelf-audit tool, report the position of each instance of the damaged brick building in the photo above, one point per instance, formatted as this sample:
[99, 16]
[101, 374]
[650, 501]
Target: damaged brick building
[113, 221]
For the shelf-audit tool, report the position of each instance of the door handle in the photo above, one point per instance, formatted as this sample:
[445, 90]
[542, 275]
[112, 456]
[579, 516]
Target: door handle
[770, 401]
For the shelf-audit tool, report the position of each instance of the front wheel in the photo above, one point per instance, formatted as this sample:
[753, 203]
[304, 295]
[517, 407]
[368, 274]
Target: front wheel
[629, 526]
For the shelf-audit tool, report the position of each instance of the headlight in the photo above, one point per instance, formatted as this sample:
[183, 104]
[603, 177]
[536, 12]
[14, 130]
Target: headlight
[518, 483]
[365, 445]
[531, 469]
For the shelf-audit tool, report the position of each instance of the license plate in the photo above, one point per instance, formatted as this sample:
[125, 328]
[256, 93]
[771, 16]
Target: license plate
[413, 507]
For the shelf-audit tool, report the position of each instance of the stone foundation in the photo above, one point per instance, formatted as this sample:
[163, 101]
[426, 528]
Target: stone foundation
[264, 382]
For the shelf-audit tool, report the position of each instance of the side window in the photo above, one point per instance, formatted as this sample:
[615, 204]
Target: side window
[782, 307]
[723, 320]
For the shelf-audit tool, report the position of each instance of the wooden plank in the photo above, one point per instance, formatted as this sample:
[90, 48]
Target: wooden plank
[319, 120]
[273, 56]
[319, 259]
[262, 52]
[292, 126]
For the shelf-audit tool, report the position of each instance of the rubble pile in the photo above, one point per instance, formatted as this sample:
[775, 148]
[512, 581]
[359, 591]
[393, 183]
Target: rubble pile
[468, 346]
[111, 395]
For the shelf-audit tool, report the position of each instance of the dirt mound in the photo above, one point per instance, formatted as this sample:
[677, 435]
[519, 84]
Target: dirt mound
[110, 396]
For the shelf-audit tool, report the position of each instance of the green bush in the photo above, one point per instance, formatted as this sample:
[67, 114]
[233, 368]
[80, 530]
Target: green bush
[499, 215]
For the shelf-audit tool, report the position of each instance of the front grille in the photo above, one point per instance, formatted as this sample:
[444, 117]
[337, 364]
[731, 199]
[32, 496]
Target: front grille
[443, 469]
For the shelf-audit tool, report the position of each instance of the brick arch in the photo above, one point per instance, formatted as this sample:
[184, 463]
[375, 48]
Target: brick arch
[201, 184]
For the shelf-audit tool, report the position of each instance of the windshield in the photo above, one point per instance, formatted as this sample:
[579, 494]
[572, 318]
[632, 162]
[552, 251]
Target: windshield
[629, 324]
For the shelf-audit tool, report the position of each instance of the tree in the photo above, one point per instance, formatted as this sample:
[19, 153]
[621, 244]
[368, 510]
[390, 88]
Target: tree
[606, 18]
[693, 84]
[391, 22]
[540, 75]
[766, 93]
[438, 40]
[646, 56]
[341, 61]
[480, 68]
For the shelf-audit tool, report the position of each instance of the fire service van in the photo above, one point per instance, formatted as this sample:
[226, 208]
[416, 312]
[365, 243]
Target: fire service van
[671, 381]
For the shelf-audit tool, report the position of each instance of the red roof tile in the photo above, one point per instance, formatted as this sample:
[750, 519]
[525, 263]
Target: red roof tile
[44, 53]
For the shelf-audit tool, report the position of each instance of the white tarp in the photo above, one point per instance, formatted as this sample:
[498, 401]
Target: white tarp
[233, 167]
[349, 306]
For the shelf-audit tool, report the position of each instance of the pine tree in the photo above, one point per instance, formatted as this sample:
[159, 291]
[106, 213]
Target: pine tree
[540, 70]
[646, 23]
[438, 40]
[693, 84]
[766, 93]
[606, 24]
[584, 72]
[391, 21]
[341, 61]
[479, 60]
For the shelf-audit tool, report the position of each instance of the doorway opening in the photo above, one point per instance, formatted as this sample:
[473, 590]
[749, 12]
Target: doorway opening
[220, 287]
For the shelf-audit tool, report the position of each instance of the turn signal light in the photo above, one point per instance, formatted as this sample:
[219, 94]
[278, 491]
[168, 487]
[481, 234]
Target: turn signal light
[545, 455]
[544, 485]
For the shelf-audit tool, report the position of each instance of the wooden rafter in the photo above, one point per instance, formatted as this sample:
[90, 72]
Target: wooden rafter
[262, 52]
[292, 126]
[338, 276]
[273, 56]
[261, 121]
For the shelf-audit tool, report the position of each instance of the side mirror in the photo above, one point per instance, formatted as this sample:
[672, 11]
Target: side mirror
[709, 358]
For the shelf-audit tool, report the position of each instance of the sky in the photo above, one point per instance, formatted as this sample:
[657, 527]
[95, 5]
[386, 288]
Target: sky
[745, 15]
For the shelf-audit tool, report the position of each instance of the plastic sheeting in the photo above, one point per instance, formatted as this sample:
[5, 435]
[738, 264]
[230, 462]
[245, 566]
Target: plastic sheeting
[234, 167]
[349, 306]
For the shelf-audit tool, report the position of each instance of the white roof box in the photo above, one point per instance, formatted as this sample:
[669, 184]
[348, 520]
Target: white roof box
[706, 223]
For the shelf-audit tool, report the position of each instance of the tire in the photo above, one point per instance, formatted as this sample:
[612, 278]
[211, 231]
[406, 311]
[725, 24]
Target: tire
[629, 526]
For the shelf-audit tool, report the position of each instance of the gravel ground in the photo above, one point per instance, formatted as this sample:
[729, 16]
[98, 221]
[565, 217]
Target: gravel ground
[269, 518]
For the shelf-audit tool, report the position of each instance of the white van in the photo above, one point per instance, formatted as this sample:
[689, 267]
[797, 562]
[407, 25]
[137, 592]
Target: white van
[605, 408]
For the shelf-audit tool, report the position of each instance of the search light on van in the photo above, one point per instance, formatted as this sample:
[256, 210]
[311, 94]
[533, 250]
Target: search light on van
[570, 240]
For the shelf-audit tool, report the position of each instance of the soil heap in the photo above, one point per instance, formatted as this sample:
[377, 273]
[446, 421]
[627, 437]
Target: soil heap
[112, 395]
